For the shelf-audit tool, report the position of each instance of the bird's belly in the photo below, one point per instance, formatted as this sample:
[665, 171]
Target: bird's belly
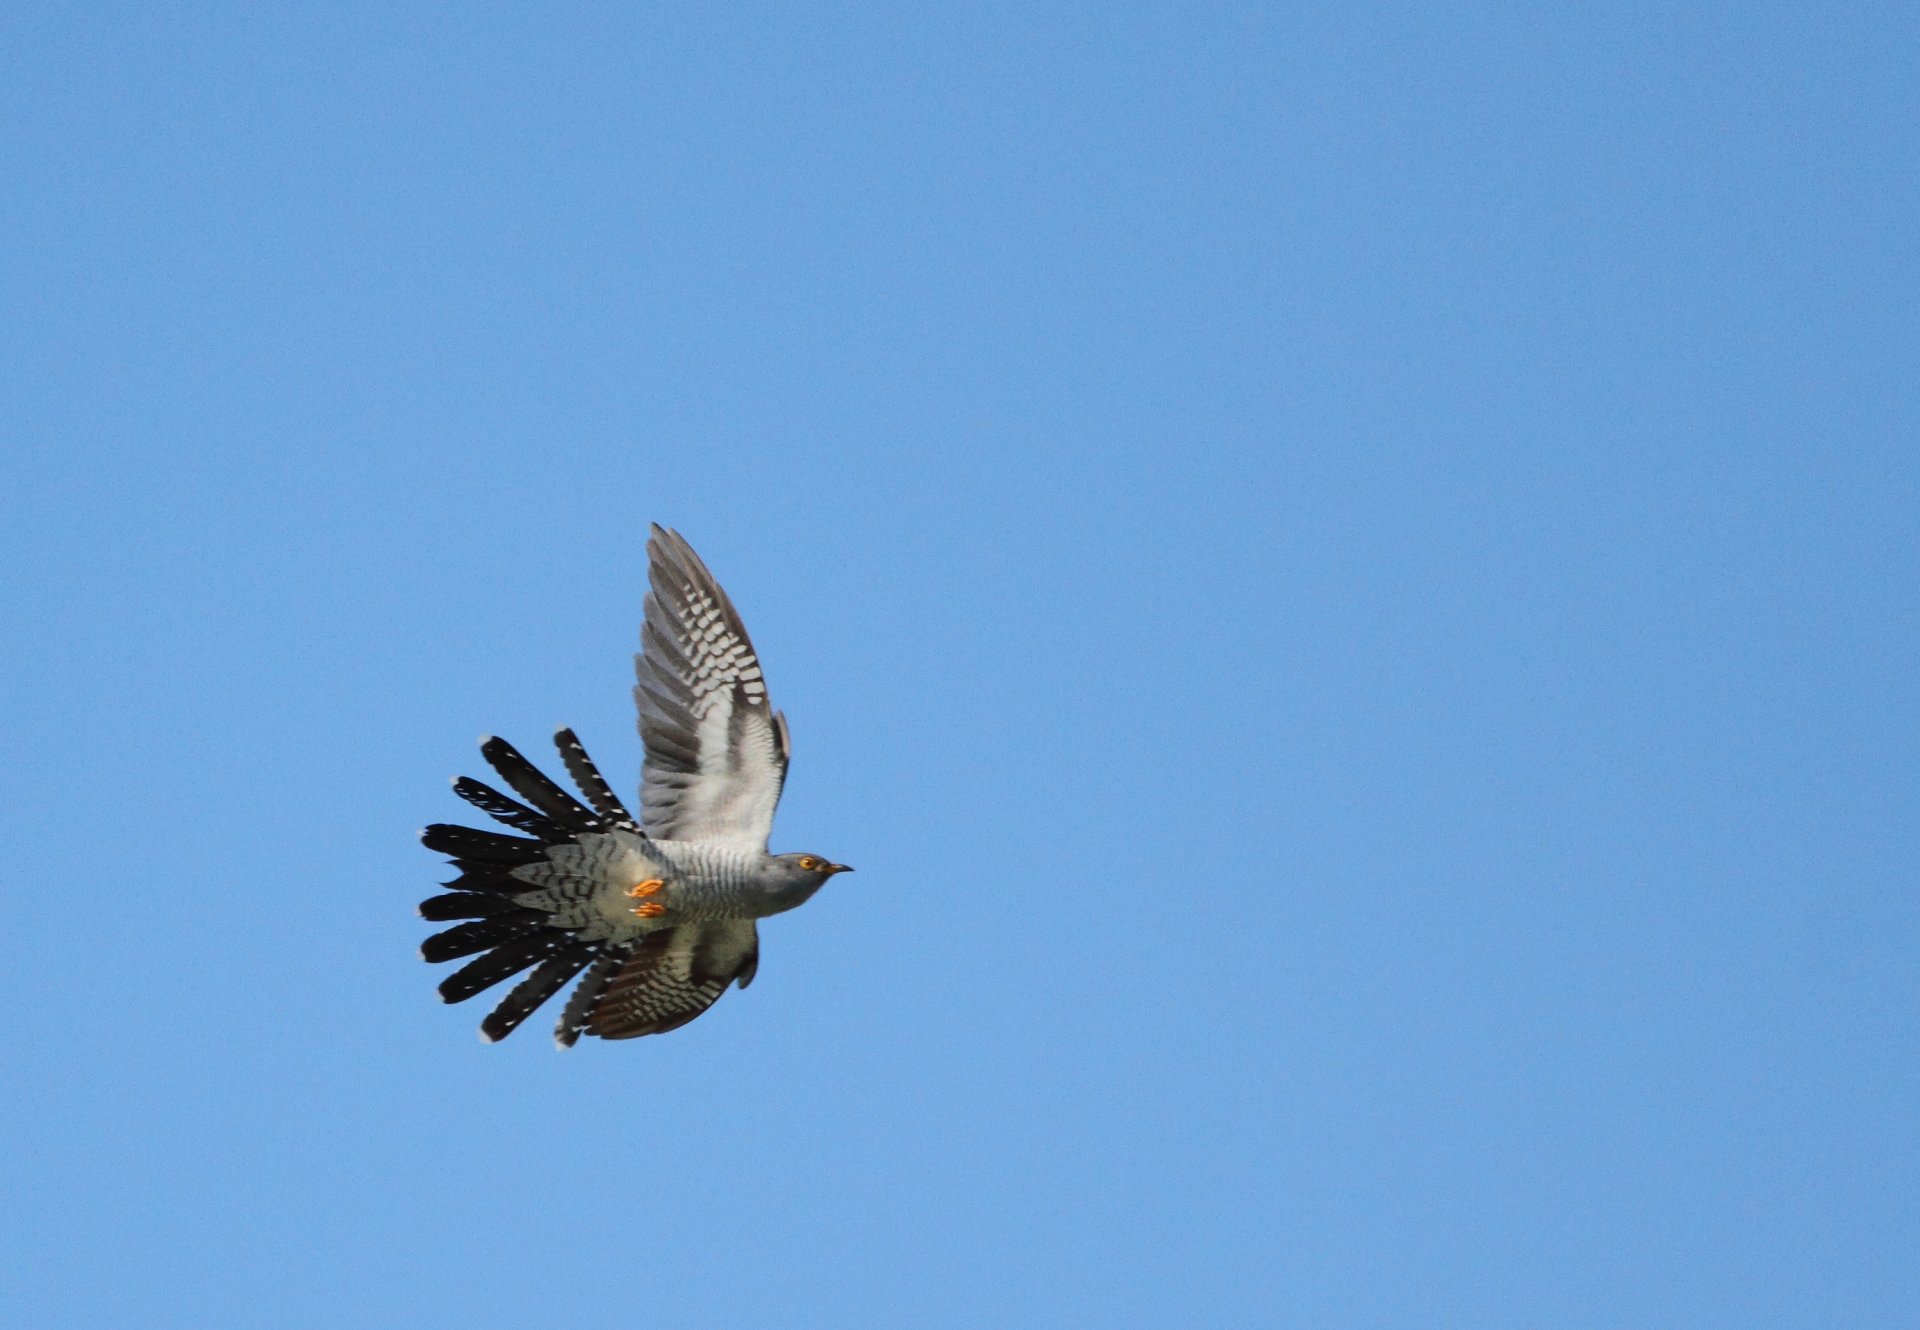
[598, 884]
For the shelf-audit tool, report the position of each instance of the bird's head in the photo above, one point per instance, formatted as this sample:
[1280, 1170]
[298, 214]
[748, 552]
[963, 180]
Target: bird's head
[808, 869]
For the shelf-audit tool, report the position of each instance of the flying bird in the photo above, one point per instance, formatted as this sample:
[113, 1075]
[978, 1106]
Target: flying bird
[660, 912]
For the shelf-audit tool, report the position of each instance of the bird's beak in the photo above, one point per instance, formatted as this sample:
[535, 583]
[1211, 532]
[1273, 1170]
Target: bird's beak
[837, 868]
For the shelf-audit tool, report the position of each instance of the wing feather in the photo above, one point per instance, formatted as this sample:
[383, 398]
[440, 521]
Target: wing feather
[716, 751]
[674, 975]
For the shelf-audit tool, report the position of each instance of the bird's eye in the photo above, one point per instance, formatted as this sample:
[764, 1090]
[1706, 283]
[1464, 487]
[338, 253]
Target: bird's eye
[808, 862]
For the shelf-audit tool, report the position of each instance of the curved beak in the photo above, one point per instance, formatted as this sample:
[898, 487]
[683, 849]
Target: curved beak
[837, 868]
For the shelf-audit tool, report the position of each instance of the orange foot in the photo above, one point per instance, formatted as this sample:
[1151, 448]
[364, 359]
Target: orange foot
[650, 909]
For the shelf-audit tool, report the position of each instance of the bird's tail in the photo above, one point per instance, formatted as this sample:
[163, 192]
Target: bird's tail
[504, 938]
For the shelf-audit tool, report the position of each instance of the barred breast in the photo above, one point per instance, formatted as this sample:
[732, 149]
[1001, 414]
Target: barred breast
[709, 881]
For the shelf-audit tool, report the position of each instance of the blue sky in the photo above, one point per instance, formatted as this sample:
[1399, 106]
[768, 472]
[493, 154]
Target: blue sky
[1346, 577]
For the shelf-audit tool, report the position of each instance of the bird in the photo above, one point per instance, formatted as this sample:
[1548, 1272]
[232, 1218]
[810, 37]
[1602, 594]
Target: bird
[656, 915]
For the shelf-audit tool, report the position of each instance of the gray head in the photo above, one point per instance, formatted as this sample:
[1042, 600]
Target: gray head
[805, 870]
[788, 880]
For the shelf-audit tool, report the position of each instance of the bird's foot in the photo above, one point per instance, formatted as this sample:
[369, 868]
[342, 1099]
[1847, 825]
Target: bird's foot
[648, 909]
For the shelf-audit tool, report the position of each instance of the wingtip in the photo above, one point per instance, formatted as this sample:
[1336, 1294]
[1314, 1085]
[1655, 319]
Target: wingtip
[486, 1038]
[668, 543]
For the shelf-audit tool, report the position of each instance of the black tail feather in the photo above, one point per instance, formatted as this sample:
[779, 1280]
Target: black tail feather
[503, 962]
[478, 902]
[485, 877]
[526, 997]
[587, 776]
[487, 847]
[509, 811]
[480, 935]
[464, 905]
[532, 785]
[579, 1009]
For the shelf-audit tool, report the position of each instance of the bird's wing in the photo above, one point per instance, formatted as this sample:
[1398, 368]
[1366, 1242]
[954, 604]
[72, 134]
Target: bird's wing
[716, 749]
[674, 975]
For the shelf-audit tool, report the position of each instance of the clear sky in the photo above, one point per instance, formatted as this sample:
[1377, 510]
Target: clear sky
[1346, 577]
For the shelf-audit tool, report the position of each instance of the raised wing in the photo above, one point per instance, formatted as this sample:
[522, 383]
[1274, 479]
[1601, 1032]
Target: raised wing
[716, 749]
[674, 975]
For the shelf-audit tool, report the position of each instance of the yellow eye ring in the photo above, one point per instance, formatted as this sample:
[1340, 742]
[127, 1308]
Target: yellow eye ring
[808, 862]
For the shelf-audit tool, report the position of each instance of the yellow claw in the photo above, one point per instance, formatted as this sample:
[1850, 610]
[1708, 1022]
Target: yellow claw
[647, 888]
[651, 910]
